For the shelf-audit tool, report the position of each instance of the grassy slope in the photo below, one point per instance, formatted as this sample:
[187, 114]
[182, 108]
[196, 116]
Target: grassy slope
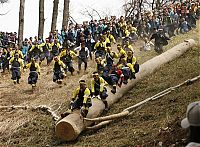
[143, 126]
[140, 128]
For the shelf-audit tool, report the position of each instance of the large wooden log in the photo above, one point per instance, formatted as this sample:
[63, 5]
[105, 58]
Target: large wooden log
[71, 126]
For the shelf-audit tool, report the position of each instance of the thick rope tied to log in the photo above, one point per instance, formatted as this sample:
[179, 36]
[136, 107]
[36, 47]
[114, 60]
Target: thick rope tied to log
[130, 110]
[43, 108]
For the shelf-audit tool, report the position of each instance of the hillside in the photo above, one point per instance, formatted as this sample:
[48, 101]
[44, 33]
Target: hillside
[28, 128]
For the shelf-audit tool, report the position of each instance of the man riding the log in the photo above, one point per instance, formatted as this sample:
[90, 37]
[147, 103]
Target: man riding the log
[98, 88]
[113, 77]
[81, 100]
[110, 56]
[100, 63]
[132, 61]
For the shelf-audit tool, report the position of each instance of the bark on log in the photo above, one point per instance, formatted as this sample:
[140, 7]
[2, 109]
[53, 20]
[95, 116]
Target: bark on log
[71, 126]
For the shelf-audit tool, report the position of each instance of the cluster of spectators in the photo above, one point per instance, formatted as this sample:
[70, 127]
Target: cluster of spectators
[8, 38]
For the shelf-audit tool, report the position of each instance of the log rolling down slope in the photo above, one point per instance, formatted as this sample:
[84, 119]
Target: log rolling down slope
[71, 126]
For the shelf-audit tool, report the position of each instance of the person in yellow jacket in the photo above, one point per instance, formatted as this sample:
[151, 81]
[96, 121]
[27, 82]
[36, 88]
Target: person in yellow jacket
[58, 68]
[126, 69]
[46, 48]
[55, 48]
[81, 100]
[98, 88]
[67, 56]
[100, 48]
[128, 46]
[125, 32]
[125, 35]
[132, 61]
[110, 56]
[16, 51]
[121, 52]
[100, 65]
[16, 64]
[36, 50]
[34, 72]
[109, 39]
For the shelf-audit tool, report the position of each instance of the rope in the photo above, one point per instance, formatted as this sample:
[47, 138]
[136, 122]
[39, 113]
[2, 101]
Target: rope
[130, 110]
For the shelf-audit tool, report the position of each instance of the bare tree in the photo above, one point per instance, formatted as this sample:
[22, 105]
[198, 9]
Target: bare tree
[65, 14]
[3, 1]
[87, 13]
[21, 22]
[41, 19]
[4, 13]
[54, 15]
[90, 12]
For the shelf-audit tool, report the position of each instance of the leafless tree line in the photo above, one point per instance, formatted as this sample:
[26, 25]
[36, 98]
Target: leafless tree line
[139, 5]
[41, 17]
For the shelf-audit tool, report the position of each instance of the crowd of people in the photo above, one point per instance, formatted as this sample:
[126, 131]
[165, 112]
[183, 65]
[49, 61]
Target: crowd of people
[93, 41]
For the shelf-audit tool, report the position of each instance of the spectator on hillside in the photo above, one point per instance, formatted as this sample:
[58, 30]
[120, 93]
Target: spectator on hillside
[192, 121]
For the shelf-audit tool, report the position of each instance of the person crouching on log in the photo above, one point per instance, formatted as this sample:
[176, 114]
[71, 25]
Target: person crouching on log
[132, 61]
[98, 88]
[16, 64]
[81, 100]
[34, 72]
[113, 77]
[58, 75]
[126, 70]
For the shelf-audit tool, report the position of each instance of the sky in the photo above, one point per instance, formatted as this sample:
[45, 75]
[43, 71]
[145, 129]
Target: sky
[9, 22]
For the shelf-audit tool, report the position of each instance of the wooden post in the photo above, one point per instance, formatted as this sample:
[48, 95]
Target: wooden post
[71, 126]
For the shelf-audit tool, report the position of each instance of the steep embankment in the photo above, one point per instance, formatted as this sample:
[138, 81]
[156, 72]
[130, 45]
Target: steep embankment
[27, 128]
[159, 120]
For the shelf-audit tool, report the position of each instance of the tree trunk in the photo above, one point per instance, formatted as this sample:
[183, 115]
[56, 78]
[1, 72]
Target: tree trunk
[71, 126]
[152, 7]
[65, 14]
[41, 19]
[54, 15]
[21, 22]
[140, 5]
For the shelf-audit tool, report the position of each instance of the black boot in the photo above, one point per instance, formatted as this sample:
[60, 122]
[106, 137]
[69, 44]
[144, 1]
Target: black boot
[106, 105]
[17, 81]
[84, 112]
[133, 75]
[114, 90]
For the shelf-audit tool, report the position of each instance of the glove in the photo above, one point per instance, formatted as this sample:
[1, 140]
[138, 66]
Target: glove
[72, 102]
[10, 66]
